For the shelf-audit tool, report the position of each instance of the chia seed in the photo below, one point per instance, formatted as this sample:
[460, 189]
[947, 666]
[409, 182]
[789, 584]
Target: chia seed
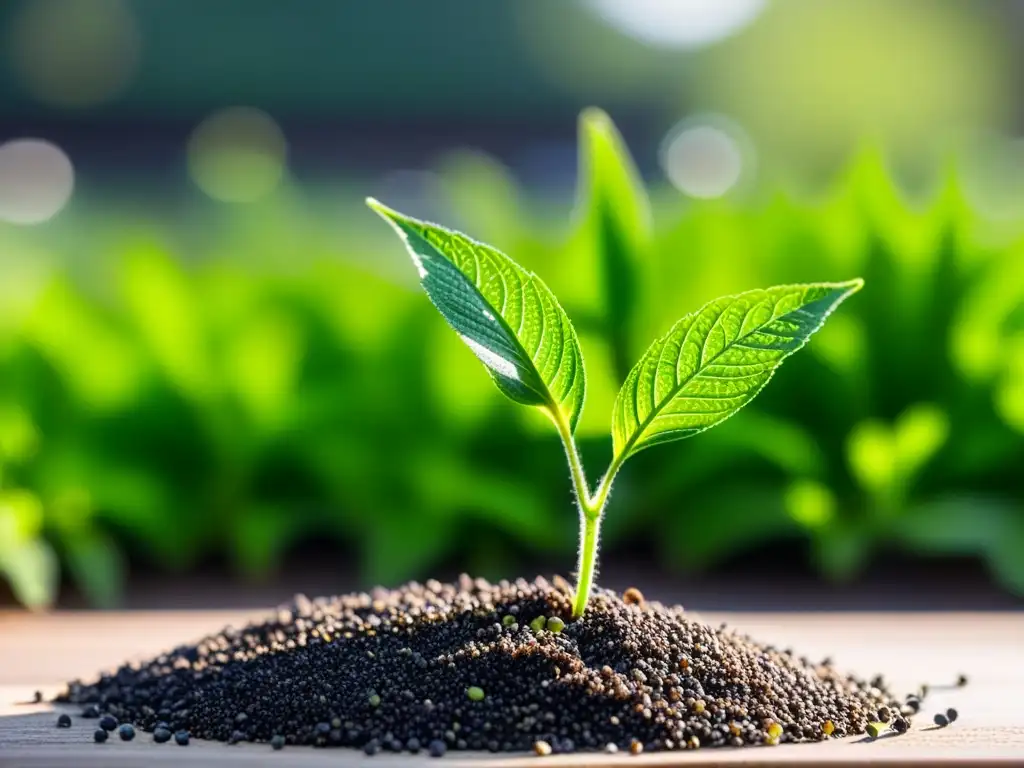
[397, 669]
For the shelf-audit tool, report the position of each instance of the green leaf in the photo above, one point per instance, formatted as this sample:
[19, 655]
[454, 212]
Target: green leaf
[504, 313]
[31, 569]
[97, 566]
[715, 360]
[617, 219]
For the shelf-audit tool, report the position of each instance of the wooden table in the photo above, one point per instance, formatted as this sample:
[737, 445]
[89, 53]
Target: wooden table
[43, 651]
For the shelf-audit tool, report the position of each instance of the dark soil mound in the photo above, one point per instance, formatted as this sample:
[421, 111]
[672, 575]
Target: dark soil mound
[460, 664]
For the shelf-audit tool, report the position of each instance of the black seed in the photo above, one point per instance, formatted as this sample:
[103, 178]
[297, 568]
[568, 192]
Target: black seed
[90, 712]
[181, 738]
[403, 669]
[884, 714]
[940, 719]
[64, 721]
[108, 723]
[99, 735]
[277, 742]
[37, 697]
[372, 747]
[437, 748]
[161, 735]
[952, 714]
[126, 732]
[900, 725]
[961, 680]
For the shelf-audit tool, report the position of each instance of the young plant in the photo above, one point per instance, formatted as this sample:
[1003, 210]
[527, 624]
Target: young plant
[710, 364]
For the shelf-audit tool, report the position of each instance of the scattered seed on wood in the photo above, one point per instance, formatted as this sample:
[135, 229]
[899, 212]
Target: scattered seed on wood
[99, 736]
[64, 721]
[952, 714]
[940, 719]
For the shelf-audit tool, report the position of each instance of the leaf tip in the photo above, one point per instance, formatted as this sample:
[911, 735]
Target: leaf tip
[378, 207]
[595, 119]
[854, 285]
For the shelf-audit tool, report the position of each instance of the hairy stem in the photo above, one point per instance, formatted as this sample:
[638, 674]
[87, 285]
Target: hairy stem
[591, 508]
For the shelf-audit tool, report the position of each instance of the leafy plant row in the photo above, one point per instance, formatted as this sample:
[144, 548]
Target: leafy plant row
[183, 405]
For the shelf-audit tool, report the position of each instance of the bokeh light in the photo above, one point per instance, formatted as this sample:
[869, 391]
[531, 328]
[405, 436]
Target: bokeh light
[237, 155]
[705, 158]
[677, 23]
[36, 180]
[75, 53]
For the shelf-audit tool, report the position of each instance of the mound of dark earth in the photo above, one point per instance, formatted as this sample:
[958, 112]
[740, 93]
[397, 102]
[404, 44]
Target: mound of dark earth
[482, 666]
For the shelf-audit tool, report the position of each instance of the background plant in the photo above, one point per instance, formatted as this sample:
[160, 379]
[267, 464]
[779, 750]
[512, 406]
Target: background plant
[232, 389]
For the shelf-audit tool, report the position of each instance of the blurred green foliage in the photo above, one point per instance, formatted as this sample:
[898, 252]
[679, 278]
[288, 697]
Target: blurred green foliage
[292, 385]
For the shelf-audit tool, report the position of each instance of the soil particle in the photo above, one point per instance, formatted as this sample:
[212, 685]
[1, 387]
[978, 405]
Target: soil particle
[399, 669]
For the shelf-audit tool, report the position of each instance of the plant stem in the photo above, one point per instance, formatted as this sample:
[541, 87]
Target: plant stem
[591, 508]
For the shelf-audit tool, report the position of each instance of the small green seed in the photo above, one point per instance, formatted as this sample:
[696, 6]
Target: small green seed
[475, 693]
[538, 623]
[374, 700]
[509, 620]
[555, 624]
[876, 729]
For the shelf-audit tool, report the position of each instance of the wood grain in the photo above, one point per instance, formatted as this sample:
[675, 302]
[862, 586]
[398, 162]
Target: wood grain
[42, 652]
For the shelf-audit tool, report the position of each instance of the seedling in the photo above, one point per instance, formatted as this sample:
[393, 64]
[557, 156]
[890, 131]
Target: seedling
[710, 364]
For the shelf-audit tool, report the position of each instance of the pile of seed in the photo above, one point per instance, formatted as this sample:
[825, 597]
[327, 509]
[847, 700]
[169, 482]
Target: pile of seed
[481, 666]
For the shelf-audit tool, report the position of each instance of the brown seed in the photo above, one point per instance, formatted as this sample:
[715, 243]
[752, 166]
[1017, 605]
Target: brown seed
[633, 596]
[828, 728]
[636, 747]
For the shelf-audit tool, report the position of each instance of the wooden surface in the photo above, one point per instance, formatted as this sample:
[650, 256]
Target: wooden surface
[42, 652]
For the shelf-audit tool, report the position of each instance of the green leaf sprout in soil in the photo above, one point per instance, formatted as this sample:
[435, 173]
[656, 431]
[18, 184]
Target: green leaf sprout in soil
[707, 366]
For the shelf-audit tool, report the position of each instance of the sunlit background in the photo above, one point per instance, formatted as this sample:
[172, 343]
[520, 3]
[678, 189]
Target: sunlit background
[217, 370]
